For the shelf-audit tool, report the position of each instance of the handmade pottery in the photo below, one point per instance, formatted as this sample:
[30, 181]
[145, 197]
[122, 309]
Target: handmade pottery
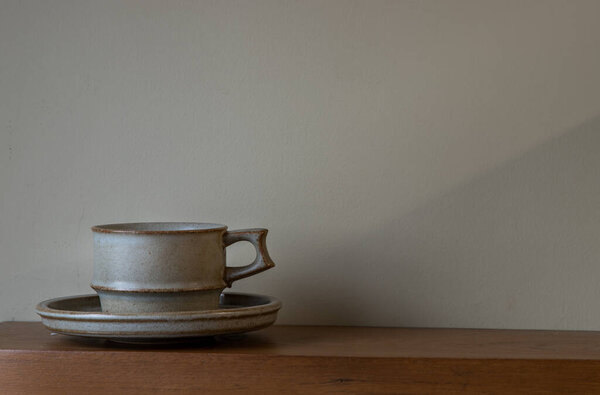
[82, 316]
[168, 266]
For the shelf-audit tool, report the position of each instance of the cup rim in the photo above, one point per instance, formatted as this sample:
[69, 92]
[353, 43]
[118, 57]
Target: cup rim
[158, 227]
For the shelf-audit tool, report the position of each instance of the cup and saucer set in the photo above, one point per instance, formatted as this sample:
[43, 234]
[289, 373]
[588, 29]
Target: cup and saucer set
[163, 281]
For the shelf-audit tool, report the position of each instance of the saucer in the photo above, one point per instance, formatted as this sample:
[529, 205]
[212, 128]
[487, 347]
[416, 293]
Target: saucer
[82, 316]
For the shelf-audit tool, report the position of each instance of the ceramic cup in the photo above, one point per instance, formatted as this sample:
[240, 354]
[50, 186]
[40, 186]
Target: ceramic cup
[168, 266]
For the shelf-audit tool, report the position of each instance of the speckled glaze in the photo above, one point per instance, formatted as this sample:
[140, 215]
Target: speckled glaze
[82, 316]
[168, 266]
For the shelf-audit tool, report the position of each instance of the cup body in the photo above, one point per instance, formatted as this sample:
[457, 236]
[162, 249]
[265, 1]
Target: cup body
[158, 267]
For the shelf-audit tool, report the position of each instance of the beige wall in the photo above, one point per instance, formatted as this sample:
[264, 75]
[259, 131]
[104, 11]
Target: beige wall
[429, 163]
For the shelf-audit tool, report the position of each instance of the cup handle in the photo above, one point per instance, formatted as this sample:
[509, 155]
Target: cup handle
[262, 262]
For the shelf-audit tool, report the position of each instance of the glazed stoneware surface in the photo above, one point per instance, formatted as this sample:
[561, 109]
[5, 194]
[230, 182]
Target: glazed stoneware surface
[168, 266]
[82, 316]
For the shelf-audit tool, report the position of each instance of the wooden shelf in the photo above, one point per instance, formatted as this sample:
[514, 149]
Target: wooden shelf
[306, 359]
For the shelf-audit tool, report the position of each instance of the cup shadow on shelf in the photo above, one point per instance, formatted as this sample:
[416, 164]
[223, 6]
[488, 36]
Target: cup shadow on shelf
[220, 342]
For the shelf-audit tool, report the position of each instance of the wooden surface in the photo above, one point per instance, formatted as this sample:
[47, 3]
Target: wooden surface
[305, 359]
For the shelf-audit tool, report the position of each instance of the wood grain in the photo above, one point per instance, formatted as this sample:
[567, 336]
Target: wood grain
[297, 359]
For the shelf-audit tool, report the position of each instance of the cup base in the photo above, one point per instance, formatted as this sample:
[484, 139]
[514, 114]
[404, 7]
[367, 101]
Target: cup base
[156, 302]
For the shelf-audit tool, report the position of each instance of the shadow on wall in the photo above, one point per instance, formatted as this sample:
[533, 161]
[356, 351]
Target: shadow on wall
[518, 247]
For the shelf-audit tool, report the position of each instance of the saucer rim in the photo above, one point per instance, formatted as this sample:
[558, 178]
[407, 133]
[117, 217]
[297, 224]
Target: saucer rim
[43, 310]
